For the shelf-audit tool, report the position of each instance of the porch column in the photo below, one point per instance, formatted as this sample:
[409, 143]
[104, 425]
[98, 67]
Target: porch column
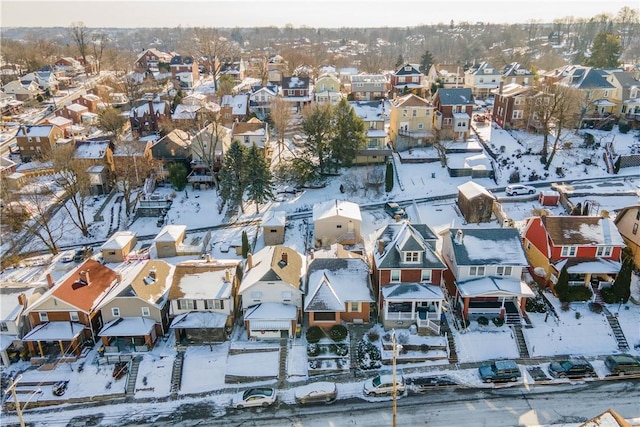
[502, 309]
[386, 309]
[40, 348]
[413, 310]
[147, 341]
[465, 310]
[523, 304]
[439, 308]
[587, 279]
[61, 347]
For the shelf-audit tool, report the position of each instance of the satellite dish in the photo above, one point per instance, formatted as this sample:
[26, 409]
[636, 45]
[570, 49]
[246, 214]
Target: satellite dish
[539, 271]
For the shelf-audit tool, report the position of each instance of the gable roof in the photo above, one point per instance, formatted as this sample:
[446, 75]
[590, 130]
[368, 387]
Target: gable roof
[91, 150]
[586, 78]
[582, 230]
[471, 189]
[35, 130]
[274, 219]
[268, 265]
[170, 233]
[332, 208]
[487, 246]
[455, 96]
[118, 240]
[149, 280]
[402, 71]
[410, 100]
[403, 236]
[516, 69]
[202, 279]
[256, 128]
[336, 281]
[295, 82]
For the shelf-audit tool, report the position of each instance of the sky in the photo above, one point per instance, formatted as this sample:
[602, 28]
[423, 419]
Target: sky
[309, 13]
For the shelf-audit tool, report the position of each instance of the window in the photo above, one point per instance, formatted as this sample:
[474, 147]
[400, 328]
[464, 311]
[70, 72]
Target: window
[339, 226]
[146, 312]
[635, 229]
[412, 257]
[504, 271]
[186, 304]
[425, 276]
[256, 296]
[4, 327]
[414, 113]
[73, 316]
[604, 251]
[447, 121]
[568, 251]
[273, 230]
[420, 125]
[353, 307]
[213, 304]
[115, 312]
[44, 316]
[286, 296]
[320, 316]
[395, 275]
[476, 271]
[528, 245]
[517, 114]
[404, 113]
[518, 101]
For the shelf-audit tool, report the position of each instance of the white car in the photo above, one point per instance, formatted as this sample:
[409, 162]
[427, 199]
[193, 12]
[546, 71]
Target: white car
[257, 396]
[383, 385]
[519, 189]
[67, 256]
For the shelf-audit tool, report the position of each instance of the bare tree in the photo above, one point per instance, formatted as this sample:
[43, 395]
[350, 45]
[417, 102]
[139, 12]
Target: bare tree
[72, 175]
[281, 116]
[38, 203]
[112, 121]
[213, 49]
[99, 43]
[81, 38]
[132, 167]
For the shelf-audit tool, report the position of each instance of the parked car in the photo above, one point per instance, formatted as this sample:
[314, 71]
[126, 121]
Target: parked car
[394, 209]
[500, 371]
[383, 385]
[321, 391]
[82, 253]
[67, 256]
[571, 368]
[425, 383]
[519, 189]
[257, 396]
[622, 364]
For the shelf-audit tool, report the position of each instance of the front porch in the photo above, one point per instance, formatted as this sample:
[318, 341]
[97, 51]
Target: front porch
[592, 273]
[52, 340]
[405, 304]
[128, 335]
[196, 328]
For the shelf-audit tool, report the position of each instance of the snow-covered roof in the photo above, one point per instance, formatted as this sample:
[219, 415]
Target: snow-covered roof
[271, 311]
[412, 292]
[199, 319]
[35, 130]
[487, 246]
[455, 96]
[399, 237]
[332, 208]
[202, 282]
[582, 230]
[77, 108]
[593, 265]
[274, 219]
[471, 189]
[60, 121]
[494, 286]
[128, 327]
[10, 308]
[118, 240]
[54, 331]
[274, 263]
[369, 111]
[171, 233]
[6, 341]
[238, 103]
[335, 281]
[91, 150]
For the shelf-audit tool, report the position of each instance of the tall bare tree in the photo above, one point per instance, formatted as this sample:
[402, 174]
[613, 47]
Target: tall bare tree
[99, 43]
[132, 167]
[212, 49]
[281, 116]
[81, 37]
[42, 224]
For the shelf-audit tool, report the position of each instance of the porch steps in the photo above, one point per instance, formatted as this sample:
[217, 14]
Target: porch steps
[133, 375]
[446, 330]
[176, 372]
[623, 345]
[284, 351]
[597, 296]
[520, 342]
[513, 319]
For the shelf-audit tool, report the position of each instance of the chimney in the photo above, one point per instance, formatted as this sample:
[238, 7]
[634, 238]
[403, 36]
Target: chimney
[84, 277]
[208, 258]
[285, 257]
[249, 260]
[501, 87]
[22, 299]
[152, 273]
[50, 281]
[119, 277]
[312, 253]
[227, 275]
[459, 237]
[380, 246]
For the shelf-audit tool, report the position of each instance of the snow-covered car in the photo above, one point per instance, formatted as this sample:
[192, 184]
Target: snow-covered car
[67, 256]
[383, 385]
[571, 368]
[257, 396]
[519, 189]
[321, 391]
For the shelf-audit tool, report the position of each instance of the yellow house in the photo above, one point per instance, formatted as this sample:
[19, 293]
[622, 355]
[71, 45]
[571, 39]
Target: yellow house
[327, 89]
[410, 122]
[628, 221]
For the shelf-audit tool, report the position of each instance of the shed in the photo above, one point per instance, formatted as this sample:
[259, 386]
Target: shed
[168, 240]
[273, 227]
[118, 246]
[475, 202]
[549, 198]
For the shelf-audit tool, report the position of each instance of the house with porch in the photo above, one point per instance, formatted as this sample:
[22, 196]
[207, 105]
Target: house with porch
[136, 312]
[337, 221]
[453, 111]
[260, 100]
[253, 132]
[589, 247]
[628, 221]
[368, 87]
[407, 277]
[511, 104]
[327, 89]
[338, 290]
[68, 314]
[203, 300]
[411, 122]
[482, 78]
[271, 292]
[296, 91]
[374, 114]
[408, 78]
[446, 76]
[484, 272]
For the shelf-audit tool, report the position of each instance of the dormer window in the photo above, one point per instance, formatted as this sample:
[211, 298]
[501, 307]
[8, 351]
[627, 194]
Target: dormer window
[412, 257]
[569, 251]
[604, 251]
[407, 68]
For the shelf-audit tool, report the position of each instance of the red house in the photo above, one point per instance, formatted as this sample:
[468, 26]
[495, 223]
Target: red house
[589, 247]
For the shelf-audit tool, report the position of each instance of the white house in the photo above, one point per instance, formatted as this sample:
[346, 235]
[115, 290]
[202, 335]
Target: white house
[337, 221]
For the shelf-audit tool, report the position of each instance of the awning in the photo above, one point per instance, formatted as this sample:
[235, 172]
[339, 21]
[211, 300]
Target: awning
[412, 292]
[128, 327]
[604, 103]
[269, 325]
[55, 331]
[494, 287]
[596, 265]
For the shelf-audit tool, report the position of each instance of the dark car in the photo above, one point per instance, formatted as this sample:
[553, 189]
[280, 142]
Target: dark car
[82, 253]
[425, 383]
[499, 371]
[394, 209]
[322, 391]
[623, 364]
[571, 368]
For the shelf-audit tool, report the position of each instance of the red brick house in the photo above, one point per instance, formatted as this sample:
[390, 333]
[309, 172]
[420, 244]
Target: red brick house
[149, 59]
[34, 141]
[453, 111]
[589, 247]
[145, 119]
[408, 77]
[510, 105]
[296, 91]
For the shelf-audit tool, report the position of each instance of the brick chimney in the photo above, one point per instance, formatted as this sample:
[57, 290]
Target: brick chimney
[312, 254]
[285, 257]
[50, 281]
[227, 275]
[380, 246]
[249, 261]
[84, 277]
[208, 258]
[22, 299]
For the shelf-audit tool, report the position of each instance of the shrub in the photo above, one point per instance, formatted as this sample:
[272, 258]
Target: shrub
[338, 332]
[514, 177]
[312, 349]
[608, 295]
[578, 315]
[624, 127]
[368, 355]
[498, 321]
[465, 323]
[424, 348]
[342, 349]
[535, 305]
[402, 338]
[565, 306]
[533, 176]
[560, 172]
[373, 336]
[483, 321]
[595, 307]
[579, 293]
[314, 334]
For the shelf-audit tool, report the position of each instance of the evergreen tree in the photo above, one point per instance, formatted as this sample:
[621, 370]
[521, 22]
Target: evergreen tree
[316, 124]
[622, 284]
[388, 179]
[233, 176]
[426, 61]
[562, 286]
[399, 61]
[605, 51]
[349, 135]
[178, 176]
[245, 244]
[258, 177]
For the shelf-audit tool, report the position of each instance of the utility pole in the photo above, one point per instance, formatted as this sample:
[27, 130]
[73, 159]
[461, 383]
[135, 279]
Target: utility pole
[393, 359]
[14, 395]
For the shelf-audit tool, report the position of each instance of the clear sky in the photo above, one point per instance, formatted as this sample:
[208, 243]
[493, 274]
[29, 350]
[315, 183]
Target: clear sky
[310, 13]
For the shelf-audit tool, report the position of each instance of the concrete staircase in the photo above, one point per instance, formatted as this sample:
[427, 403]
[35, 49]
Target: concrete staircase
[133, 375]
[446, 331]
[176, 373]
[520, 342]
[284, 352]
[623, 345]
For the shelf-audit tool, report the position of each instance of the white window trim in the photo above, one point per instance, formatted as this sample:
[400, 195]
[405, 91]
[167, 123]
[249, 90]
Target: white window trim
[73, 316]
[409, 257]
[115, 311]
[44, 316]
[350, 307]
[569, 251]
[145, 311]
[391, 279]
[604, 251]
[424, 273]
